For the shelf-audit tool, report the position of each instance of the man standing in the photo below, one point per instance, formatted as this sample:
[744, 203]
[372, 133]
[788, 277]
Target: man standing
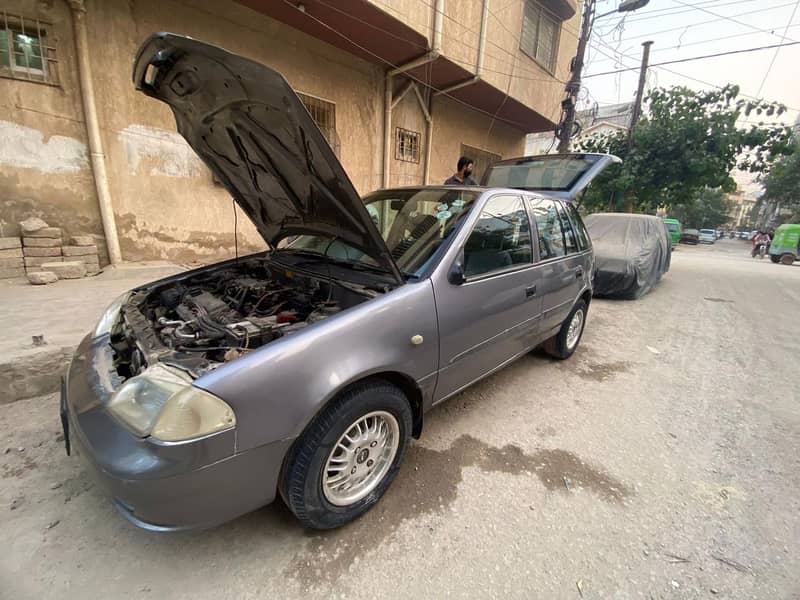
[464, 174]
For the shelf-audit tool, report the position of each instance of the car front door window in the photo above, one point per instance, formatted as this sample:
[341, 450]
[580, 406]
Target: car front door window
[500, 239]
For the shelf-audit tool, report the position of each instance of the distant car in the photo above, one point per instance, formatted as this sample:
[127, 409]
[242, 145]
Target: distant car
[731, 234]
[631, 253]
[708, 236]
[743, 235]
[674, 228]
[690, 236]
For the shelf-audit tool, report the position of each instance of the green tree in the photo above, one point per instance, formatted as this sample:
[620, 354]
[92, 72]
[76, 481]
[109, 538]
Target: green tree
[688, 141]
[782, 187]
[708, 209]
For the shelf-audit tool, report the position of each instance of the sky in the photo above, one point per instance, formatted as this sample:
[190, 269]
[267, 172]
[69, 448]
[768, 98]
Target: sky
[689, 28]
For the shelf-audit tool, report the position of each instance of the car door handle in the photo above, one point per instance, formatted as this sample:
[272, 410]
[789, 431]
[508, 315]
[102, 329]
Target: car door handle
[579, 272]
[530, 292]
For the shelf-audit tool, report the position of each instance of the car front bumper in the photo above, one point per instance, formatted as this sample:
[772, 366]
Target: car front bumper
[161, 486]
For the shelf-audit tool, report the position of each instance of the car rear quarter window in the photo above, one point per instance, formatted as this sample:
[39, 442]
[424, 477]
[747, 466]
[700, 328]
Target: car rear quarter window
[500, 239]
[548, 225]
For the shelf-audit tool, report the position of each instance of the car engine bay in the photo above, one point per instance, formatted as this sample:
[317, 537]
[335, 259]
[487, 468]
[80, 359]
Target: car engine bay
[203, 321]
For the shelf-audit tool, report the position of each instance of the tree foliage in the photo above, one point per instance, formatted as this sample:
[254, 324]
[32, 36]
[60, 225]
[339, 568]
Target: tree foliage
[688, 141]
[782, 186]
[708, 209]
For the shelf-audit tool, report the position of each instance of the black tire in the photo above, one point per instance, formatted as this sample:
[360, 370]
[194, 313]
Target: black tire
[774, 258]
[302, 479]
[557, 346]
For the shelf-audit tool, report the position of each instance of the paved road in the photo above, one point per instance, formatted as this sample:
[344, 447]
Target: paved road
[661, 461]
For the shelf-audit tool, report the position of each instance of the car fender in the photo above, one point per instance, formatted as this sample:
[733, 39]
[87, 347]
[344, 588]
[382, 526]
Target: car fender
[276, 390]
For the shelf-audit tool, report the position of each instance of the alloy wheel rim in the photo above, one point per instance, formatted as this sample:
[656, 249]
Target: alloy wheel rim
[575, 327]
[361, 458]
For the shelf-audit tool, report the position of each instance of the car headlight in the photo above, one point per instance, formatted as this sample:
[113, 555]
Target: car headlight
[110, 316]
[162, 403]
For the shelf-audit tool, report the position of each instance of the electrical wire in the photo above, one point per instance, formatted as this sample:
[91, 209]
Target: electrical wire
[726, 18]
[683, 60]
[777, 50]
[758, 11]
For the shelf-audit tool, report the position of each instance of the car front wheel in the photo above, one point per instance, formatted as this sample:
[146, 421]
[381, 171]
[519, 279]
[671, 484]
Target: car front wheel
[565, 342]
[787, 259]
[347, 458]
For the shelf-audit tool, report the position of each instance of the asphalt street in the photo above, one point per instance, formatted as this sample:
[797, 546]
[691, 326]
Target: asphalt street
[661, 461]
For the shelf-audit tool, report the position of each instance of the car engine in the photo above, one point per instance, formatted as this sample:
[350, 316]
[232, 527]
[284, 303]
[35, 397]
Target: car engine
[201, 322]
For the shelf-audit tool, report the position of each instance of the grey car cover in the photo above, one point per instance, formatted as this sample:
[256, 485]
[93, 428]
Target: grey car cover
[631, 253]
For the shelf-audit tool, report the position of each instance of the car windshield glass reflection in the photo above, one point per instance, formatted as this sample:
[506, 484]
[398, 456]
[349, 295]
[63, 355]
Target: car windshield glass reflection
[414, 223]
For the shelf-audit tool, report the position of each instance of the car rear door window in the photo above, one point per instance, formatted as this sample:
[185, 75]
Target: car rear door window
[548, 224]
[570, 241]
[500, 239]
[578, 227]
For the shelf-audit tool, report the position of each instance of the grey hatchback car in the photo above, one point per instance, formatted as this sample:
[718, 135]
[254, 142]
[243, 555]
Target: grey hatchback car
[304, 370]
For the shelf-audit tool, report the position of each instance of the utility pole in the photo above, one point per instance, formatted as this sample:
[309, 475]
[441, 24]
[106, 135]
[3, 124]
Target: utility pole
[567, 124]
[564, 129]
[637, 107]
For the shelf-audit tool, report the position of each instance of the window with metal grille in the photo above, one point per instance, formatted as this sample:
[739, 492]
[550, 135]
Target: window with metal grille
[540, 34]
[25, 52]
[481, 159]
[406, 145]
[324, 115]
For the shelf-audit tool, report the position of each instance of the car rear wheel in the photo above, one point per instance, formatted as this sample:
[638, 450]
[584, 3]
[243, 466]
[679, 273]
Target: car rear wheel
[787, 259]
[347, 458]
[565, 342]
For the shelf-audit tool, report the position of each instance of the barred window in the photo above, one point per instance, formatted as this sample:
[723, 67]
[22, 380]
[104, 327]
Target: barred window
[324, 115]
[406, 146]
[540, 32]
[25, 52]
[481, 160]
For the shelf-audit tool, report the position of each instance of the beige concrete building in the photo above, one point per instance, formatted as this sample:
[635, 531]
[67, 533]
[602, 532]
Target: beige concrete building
[741, 204]
[401, 88]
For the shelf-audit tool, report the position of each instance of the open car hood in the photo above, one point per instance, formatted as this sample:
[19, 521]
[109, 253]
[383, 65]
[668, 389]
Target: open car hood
[250, 128]
[559, 175]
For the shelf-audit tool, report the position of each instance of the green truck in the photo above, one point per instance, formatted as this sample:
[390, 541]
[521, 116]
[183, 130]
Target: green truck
[785, 246]
[674, 227]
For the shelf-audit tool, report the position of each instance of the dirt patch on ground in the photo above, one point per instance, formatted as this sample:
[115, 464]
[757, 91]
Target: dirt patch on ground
[597, 371]
[428, 483]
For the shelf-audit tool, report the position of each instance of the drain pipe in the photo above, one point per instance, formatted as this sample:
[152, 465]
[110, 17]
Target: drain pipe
[96, 154]
[479, 60]
[426, 58]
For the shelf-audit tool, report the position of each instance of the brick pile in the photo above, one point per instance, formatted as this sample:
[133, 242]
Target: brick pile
[41, 243]
[11, 260]
[83, 249]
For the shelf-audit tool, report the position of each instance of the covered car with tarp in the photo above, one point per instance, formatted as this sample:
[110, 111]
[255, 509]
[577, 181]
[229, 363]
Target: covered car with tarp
[631, 252]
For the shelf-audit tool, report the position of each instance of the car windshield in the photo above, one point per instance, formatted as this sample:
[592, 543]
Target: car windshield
[413, 222]
[672, 226]
[540, 173]
[707, 231]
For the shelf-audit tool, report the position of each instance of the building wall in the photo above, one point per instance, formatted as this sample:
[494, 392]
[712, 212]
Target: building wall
[506, 67]
[165, 202]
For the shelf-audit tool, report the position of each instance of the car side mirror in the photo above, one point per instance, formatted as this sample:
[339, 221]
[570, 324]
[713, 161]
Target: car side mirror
[456, 274]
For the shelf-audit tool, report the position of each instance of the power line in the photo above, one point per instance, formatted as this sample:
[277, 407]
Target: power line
[731, 19]
[708, 41]
[759, 11]
[777, 50]
[659, 13]
[683, 75]
[682, 60]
